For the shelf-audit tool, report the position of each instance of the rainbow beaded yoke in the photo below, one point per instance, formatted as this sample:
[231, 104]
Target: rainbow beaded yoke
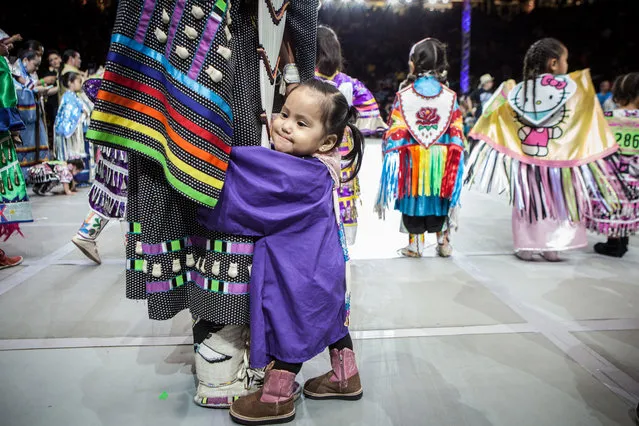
[166, 91]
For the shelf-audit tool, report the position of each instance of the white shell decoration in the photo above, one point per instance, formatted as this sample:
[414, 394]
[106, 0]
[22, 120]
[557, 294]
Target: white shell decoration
[145, 266]
[215, 270]
[233, 271]
[215, 74]
[228, 33]
[182, 52]
[250, 268]
[202, 266]
[190, 32]
[165, 16]
[157, 270]
[160, 35]
[190, 260]
[197, 12]
[138, 248]
[225, 52]
[177, 267]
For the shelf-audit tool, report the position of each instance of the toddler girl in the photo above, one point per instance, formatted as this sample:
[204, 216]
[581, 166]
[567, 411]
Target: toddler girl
[287, 198]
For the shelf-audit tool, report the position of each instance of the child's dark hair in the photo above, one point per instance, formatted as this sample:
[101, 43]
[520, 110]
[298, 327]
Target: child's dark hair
[626, 89]
[536, 61]
[329, 51]
[429, 57]
[69, 78]
[337, 115]
[78, 163]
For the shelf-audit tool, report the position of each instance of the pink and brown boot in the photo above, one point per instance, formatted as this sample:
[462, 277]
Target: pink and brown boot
[342, 382]
[273, 404]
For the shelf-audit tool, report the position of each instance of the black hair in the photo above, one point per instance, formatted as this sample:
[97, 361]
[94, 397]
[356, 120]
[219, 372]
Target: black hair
[68, 54]
[68, 78]
[429, 57]
[626, 89]
[336, 116]
[29, 55]
[33, 45]
[536, 61]
[329, 51]
[78, 163]
[52, 52]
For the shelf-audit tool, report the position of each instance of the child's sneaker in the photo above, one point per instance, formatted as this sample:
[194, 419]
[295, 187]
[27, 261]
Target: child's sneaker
[8, 262]
[88, 247]
[342, 382]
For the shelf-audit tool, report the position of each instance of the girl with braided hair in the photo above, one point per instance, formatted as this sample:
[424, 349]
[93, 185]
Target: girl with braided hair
[546, 143]
[423, 162]
[328, 68]
[624, 122]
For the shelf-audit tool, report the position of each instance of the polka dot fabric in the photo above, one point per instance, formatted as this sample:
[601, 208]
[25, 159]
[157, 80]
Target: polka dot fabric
[165, 215]
[162, 212]
[147, 86]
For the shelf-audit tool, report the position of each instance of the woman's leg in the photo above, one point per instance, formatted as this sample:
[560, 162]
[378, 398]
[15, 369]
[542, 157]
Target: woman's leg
[221, 363]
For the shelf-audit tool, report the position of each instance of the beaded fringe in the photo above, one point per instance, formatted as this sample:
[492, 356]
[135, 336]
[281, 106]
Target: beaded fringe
[415, 172]
[538, 192]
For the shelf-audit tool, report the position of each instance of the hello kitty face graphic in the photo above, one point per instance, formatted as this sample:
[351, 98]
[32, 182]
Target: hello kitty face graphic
[544, 100]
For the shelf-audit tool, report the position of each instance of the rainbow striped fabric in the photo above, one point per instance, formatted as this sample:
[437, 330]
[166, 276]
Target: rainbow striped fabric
[166, 91]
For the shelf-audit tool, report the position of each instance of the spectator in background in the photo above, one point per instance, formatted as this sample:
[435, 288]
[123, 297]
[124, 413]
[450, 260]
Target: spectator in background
[468, 110]
[38, 50]
[46, 84]
[609, 105]
[483, 93]
[51, 104]
[604, 92]
[72, 63]
[35, 46]
[29, 91]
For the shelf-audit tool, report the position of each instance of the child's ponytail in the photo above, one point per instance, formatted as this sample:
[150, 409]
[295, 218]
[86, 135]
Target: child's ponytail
[428, 58]
[355, 155]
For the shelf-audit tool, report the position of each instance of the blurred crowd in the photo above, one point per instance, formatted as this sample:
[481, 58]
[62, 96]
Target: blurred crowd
[374, 41]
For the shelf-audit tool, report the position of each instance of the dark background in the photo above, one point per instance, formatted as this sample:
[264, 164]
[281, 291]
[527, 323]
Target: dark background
[601, 35]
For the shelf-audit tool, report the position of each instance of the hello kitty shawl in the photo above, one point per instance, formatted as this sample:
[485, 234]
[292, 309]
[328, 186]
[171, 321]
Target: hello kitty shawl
[549, 152]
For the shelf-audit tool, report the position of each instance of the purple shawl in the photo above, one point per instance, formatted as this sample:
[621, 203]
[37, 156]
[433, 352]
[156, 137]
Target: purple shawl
[298, 277]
